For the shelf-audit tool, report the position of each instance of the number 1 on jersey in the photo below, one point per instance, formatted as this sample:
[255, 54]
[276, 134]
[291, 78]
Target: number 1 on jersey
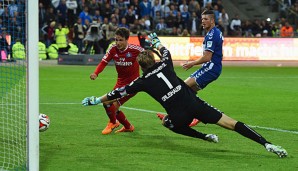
[160, 75]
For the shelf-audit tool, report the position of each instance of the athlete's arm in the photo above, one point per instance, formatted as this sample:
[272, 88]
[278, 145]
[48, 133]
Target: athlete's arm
[207, 55]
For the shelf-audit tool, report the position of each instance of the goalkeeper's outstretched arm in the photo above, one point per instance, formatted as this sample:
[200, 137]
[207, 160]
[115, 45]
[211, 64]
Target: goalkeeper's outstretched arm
[109, 97]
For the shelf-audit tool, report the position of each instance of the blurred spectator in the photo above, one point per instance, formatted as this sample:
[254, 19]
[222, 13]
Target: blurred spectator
[130, 17]
[136, 8]
[247, 28]
[41, 15]
[79, 34]
[156, 8]
[171, 20]
[93, 6]
[1, 8]
[220, 26]
[52, 51]
[49, 33]
[123, 23]
[62, 12]
[161, 26]
[50, 16]
[185, 33]
[145, 8]
[174, 31]
[287, 30]
[192, 6]
[216, 14]
[61, 37]
[173, 10]
[97, 16]
[72, 49]
[137, 26]
[206, 2]
[18, 50]
[165, 9]
[122, 8]
[14, 30]
[235, 26]
[183, 7]
[106, 10]
[185, 16]
[194, 25]
[72, 12]
[256, 27]
[4, 46]
[84, 15]
[219, 5]
[12, 7]
[42, 51]
[157, 18]
[224, 17]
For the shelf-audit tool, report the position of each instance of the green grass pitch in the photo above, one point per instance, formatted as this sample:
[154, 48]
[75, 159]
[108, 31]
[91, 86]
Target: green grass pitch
[266, 97]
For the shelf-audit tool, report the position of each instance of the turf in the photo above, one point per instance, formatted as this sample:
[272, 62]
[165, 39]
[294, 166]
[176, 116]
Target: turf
[259, 96]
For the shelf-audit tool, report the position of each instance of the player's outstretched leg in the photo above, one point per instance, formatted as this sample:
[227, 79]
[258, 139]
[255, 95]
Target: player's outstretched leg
[113, 123]
[193, 123]
[127, 127]
[248, 132]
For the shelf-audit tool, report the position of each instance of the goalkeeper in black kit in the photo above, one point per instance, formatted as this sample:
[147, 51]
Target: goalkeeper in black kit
[160, 81]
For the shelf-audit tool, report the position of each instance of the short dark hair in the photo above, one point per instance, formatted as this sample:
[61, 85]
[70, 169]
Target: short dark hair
[123, 32]
[208, 12]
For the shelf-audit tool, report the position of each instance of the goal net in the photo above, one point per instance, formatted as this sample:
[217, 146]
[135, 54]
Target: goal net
[14, 145]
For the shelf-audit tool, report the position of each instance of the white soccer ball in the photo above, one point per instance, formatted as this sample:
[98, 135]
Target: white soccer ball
[44, 122]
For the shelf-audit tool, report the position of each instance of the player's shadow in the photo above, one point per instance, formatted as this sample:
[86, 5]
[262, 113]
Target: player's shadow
[205, 149]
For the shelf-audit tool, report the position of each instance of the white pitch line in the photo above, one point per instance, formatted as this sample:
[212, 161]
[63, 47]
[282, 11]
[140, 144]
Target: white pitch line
[150, 111]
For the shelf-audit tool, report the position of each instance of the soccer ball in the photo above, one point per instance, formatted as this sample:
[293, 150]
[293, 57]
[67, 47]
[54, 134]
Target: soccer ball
[44, 122]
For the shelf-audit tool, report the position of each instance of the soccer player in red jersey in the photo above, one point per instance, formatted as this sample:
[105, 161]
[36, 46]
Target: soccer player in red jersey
[127, 67]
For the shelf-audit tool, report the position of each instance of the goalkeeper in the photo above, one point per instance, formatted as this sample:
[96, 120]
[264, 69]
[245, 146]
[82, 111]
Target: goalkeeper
[160, 81]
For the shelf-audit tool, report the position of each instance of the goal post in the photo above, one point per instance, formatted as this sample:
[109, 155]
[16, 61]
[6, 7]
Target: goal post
[19, 86]
[32, 86]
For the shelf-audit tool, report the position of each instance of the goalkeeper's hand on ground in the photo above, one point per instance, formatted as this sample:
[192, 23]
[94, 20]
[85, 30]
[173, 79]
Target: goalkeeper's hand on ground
[91, 101]
[155, 42]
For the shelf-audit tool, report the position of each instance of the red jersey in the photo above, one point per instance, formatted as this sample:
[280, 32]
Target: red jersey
[125, 61]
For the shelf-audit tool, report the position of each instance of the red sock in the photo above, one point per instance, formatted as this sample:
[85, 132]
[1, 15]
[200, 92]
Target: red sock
[111, 112]
[122, 119]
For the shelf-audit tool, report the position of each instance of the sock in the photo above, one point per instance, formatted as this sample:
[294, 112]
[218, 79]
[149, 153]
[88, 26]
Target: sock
[111, 112]
[187, 131]
[248, 132]
[122, 119]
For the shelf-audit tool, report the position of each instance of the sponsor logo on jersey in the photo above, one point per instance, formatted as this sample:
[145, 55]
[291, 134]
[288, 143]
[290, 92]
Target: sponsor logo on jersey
[209, 44]
[128, 55]
[171, 93]
[120, 63]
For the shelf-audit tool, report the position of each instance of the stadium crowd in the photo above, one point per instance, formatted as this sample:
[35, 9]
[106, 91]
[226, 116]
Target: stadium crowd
[88, 26]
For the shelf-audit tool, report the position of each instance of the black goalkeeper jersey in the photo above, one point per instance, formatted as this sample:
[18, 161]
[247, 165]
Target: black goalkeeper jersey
[162, 83]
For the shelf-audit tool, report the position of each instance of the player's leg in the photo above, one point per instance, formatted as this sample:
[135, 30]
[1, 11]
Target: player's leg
[193, 123]
[183, 129]
[248, 132]
[215, 116]
[111, 113]
[127, 126]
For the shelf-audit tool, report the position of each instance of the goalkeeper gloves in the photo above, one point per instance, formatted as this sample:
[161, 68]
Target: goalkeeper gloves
[91, 101]
[155, 42]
